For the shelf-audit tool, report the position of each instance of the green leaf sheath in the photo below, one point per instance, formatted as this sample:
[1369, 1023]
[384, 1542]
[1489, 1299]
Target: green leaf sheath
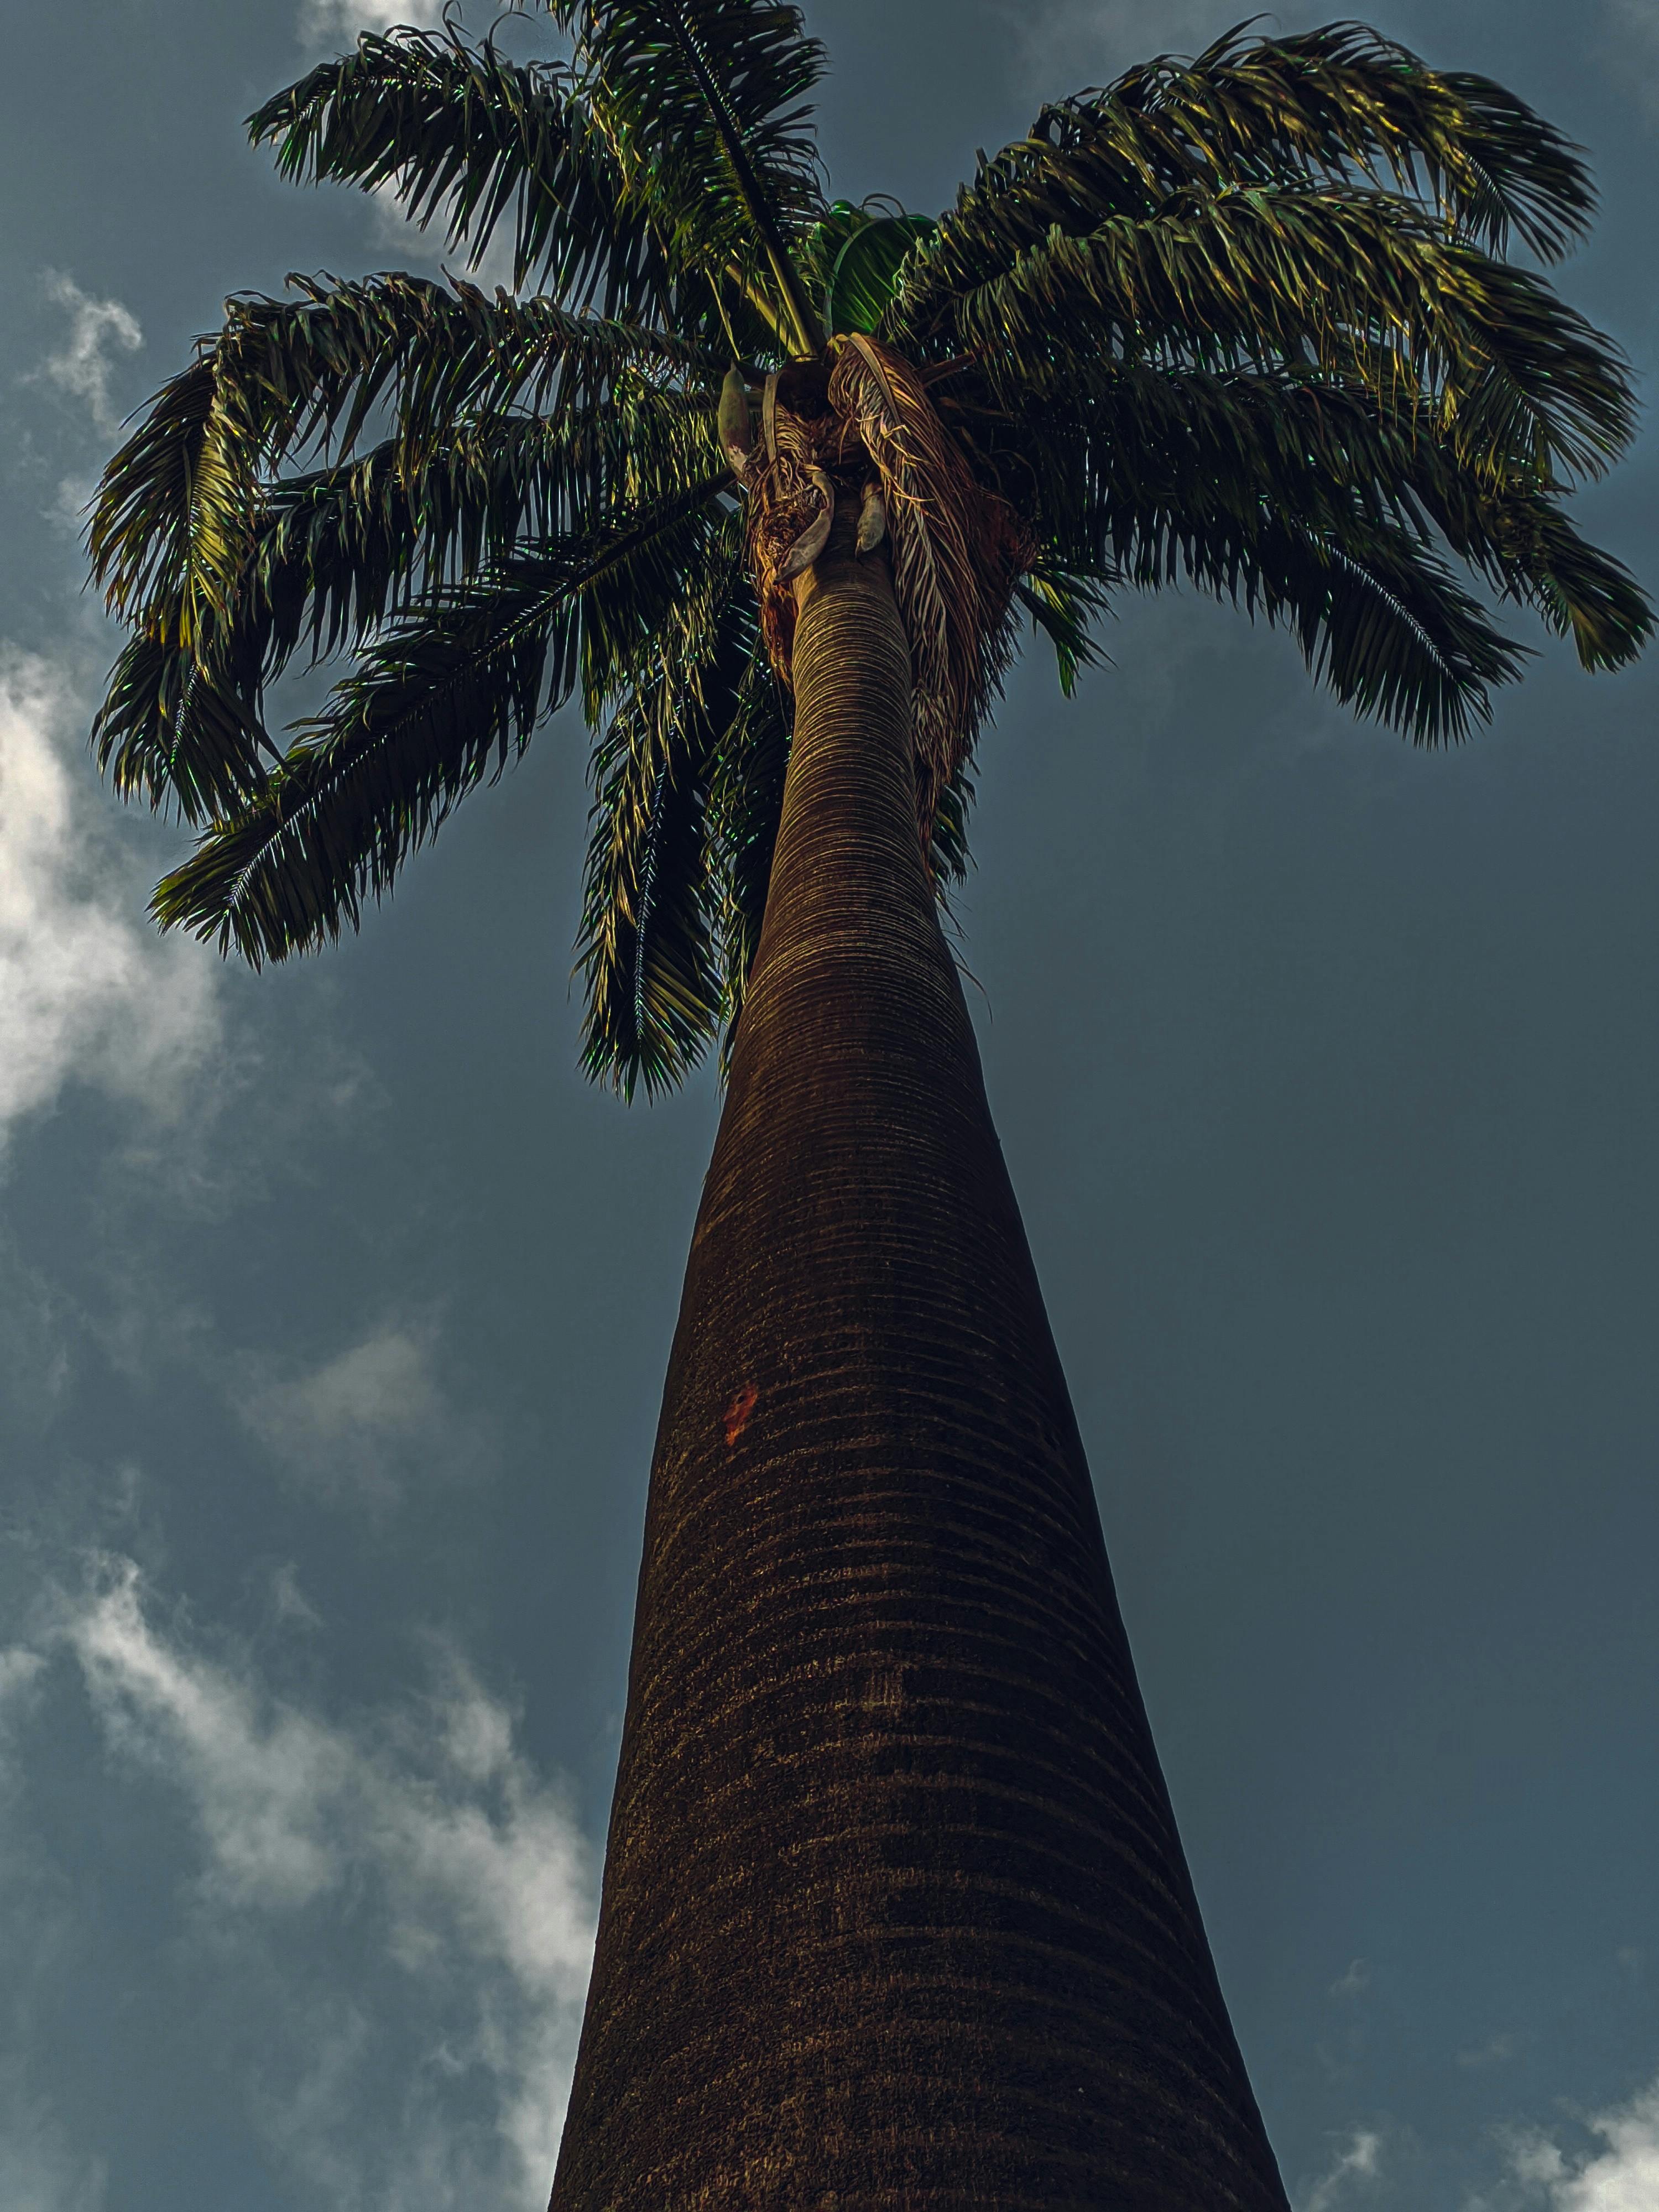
[864, 278]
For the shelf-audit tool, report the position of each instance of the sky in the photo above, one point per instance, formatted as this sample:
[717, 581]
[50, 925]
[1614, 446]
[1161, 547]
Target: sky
[334, 1305]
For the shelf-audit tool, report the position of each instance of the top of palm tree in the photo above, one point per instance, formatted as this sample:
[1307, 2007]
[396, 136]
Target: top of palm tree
[1250, 321]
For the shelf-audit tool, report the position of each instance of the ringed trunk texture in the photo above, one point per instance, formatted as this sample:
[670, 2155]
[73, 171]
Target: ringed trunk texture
[895, 1913]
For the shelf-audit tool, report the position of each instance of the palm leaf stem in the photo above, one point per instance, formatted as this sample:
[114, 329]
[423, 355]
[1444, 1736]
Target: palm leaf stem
[808, 333]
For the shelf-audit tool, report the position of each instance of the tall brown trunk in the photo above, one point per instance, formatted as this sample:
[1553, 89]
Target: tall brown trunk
[895, 1912]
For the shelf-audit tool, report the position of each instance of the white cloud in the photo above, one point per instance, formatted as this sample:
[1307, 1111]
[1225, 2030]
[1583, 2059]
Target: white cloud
[1621, 2177]
[326, 21]
[379, 1387]
[264, 1786]
[351, 1424]
[86, 990]
[82, 366]
[428, 1825]
[1360, 2164]
[1354, 1983]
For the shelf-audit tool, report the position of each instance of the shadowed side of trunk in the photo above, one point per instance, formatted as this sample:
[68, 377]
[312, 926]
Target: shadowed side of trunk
[895, 1913]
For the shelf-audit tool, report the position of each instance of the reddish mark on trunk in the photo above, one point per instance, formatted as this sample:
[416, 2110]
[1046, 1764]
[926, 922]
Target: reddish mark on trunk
[738, 1412]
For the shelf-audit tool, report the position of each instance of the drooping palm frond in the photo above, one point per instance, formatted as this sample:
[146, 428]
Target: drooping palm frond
[335, 553]
[1286, 503]
[1339, 100]
[1065, 601]
[1357, 281]
[1244, 322]
[1529, 551]
[1331, 107]
[648, 946]
[1154, 457]
[465, 137]
[420, 722]
[330, 554]
[745, 807]
[179, 732]
[1379, 619]
[174, 524]
[1151, 444]
[704, 103]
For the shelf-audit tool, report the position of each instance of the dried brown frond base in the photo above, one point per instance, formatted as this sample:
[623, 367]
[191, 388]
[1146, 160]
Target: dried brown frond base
[957, 550]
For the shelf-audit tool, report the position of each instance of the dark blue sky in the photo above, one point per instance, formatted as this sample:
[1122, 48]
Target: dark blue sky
[334, 1307]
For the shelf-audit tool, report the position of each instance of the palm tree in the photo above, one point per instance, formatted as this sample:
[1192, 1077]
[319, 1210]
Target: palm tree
[895, 1912]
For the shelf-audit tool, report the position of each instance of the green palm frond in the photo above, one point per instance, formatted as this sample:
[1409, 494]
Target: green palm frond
[648, 943]
[1157, 453]
[1357, 281]
[336, 552]
[436, 702]
[175, 732]
[1337, 101]
[1065, 602]
[1379, 619]
[173, 526]
[703, 102]
[1376, 612]
[1581, 592]
[467, 139]
[1332, 108]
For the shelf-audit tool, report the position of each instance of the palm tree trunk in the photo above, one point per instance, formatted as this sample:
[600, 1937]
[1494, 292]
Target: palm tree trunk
[895, 1912]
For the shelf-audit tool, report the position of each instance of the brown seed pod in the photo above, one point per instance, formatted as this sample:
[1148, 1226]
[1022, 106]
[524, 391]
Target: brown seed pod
[813, 539]
[737, 432]
[872, 517]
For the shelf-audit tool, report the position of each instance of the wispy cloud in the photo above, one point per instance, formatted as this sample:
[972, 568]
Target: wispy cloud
[1072, 42]
[427, 1826]
[1352, 2171]
[1497, 2052]
[353, 1426]
[98, 329]
[19, 1670]
[86, 990]
[1630, 47]
[39, 2169]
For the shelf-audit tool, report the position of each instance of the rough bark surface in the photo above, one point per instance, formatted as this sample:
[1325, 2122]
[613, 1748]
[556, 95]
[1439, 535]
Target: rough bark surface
[895, 1912]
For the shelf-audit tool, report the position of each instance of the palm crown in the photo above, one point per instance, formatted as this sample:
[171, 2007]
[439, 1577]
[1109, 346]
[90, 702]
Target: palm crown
[1247, 322]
